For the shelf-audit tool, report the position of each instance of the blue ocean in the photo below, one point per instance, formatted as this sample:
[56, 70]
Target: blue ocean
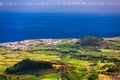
[22, 26]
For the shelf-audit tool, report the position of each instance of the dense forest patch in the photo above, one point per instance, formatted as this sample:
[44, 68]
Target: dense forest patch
[27, 66]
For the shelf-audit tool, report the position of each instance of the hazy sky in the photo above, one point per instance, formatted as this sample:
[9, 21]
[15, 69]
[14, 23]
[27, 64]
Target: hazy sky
[75, 6]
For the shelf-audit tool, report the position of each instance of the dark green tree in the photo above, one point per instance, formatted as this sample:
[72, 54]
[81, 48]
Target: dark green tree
[90, 41]
[28, 66]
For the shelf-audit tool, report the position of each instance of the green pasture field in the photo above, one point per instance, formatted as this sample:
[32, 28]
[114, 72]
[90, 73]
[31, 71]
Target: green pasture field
[80, 68]
[104, 53]
[52, 76]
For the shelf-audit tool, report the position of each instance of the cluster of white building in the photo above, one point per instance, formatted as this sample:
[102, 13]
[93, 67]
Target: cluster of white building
[31, 43]
[20, 45]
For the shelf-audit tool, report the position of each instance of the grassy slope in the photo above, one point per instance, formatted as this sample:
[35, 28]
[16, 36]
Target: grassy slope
[7, 60]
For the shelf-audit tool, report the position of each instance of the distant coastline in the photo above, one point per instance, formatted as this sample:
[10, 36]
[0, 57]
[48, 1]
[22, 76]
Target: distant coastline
[55, 39]
[50, 39]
